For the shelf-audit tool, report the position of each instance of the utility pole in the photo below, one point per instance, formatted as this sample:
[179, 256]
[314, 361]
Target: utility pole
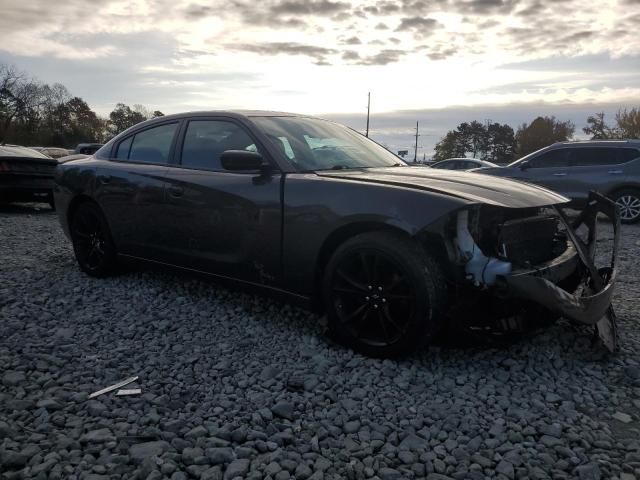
[368, 110]
[415, 154]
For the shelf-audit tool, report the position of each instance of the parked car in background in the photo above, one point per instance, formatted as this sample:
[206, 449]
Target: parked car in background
[611, 167]
[53, 152]
[462, 164]
[313, 211]
[87, 148]
[25, 175]
[75, 156]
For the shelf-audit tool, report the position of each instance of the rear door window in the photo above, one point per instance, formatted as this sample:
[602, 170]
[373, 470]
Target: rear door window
[552, 159]
[594, 156]
[123, 149]
[148, 146]
[153, 145]
[443, 165]
[469, 165]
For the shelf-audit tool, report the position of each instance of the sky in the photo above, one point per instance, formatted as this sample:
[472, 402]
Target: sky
[439, 62]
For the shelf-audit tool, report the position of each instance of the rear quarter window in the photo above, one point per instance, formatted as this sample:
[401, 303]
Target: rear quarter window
[593, 156]
[625, 155]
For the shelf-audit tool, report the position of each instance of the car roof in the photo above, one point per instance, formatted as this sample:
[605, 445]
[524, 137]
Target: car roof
[15, 151]
[240, 114]
[597, 143]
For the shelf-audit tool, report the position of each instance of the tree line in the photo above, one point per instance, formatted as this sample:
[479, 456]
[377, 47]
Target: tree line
[33, 113]
[501, 144]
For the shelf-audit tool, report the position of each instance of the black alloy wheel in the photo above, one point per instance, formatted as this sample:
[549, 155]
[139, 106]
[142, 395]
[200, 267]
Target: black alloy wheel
[92, 242]
[381, 294]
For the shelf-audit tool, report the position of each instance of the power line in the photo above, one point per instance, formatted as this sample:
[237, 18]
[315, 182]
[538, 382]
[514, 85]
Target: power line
[368, 111]
[415, 154]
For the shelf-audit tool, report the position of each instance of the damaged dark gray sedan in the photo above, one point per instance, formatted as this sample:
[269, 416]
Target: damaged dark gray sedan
[315, 212]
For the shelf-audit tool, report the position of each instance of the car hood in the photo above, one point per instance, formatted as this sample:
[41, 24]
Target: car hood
[474, 187]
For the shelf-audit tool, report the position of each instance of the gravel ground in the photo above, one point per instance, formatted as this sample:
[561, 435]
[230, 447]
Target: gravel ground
[238, 386]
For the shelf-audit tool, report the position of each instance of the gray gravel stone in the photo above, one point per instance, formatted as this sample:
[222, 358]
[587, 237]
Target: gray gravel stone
[506, 469]
[141, 451]
[283, 409]
[98, 436]
[590, 471]
[12, 378]
[237, 468]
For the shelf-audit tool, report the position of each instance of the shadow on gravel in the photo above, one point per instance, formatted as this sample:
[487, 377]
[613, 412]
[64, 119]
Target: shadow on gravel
[25, 208]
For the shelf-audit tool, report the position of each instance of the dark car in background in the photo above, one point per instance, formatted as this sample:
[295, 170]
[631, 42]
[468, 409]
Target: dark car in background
[611, 167]
[462, 164]
[87, 148]
[314, 211]
[25, 175]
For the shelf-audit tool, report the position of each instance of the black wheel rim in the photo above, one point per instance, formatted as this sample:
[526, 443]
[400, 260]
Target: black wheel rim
[89, 240]
[372, 298]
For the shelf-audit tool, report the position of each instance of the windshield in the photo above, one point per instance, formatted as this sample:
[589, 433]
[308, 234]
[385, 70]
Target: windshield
[313, 144]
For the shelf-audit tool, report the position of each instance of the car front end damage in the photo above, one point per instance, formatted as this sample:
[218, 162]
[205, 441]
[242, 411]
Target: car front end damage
[525, 266]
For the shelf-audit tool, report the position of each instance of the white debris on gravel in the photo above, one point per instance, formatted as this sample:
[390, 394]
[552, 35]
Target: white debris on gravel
[238, 386]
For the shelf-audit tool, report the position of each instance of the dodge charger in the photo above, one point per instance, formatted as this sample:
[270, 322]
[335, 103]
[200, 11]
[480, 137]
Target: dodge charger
[315, 212]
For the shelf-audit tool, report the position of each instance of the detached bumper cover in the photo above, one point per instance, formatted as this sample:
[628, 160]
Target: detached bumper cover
[591, 303]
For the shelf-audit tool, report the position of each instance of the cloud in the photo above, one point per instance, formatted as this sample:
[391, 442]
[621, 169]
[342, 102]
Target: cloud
[420, 26]
[318, 54]
[384, 57]
[352, 41]
[439, 53]
[486, 7]
[350, 55]
[309, 7]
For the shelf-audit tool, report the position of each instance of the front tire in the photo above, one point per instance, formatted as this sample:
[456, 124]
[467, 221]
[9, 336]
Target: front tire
[92, 243]
[628, 203]
[384, 294]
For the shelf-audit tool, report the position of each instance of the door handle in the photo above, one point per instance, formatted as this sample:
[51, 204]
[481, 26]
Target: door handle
[559, 174]
[613, 172]
[104, 179]
[176, 191]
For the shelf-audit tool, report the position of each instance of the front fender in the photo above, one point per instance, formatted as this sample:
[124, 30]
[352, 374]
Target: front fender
[315, 208]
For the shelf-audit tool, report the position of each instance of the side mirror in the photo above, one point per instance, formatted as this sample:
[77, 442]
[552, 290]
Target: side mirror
[241, 160]
[525, 165]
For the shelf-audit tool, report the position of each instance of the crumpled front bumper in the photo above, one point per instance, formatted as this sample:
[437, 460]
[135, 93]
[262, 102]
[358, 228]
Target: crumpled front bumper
[590, 304]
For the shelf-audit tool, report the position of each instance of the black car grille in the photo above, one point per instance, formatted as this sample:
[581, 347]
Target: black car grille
[528, 241]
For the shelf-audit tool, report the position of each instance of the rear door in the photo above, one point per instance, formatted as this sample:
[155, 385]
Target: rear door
[223, 222]
[600, 168]
[130, 189]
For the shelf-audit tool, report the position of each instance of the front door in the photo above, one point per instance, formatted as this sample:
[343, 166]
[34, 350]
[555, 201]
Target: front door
[223, 222]
[549, 169]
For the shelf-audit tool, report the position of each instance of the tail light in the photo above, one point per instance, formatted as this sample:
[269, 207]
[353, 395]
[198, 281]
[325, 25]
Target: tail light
[4, 167]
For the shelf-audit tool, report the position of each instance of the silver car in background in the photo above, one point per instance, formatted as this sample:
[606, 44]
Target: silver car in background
[610, 167]
[462, 164]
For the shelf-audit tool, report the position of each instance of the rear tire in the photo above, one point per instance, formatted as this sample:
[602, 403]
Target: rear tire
[384, 294]
[92, 243]
[628, 203]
